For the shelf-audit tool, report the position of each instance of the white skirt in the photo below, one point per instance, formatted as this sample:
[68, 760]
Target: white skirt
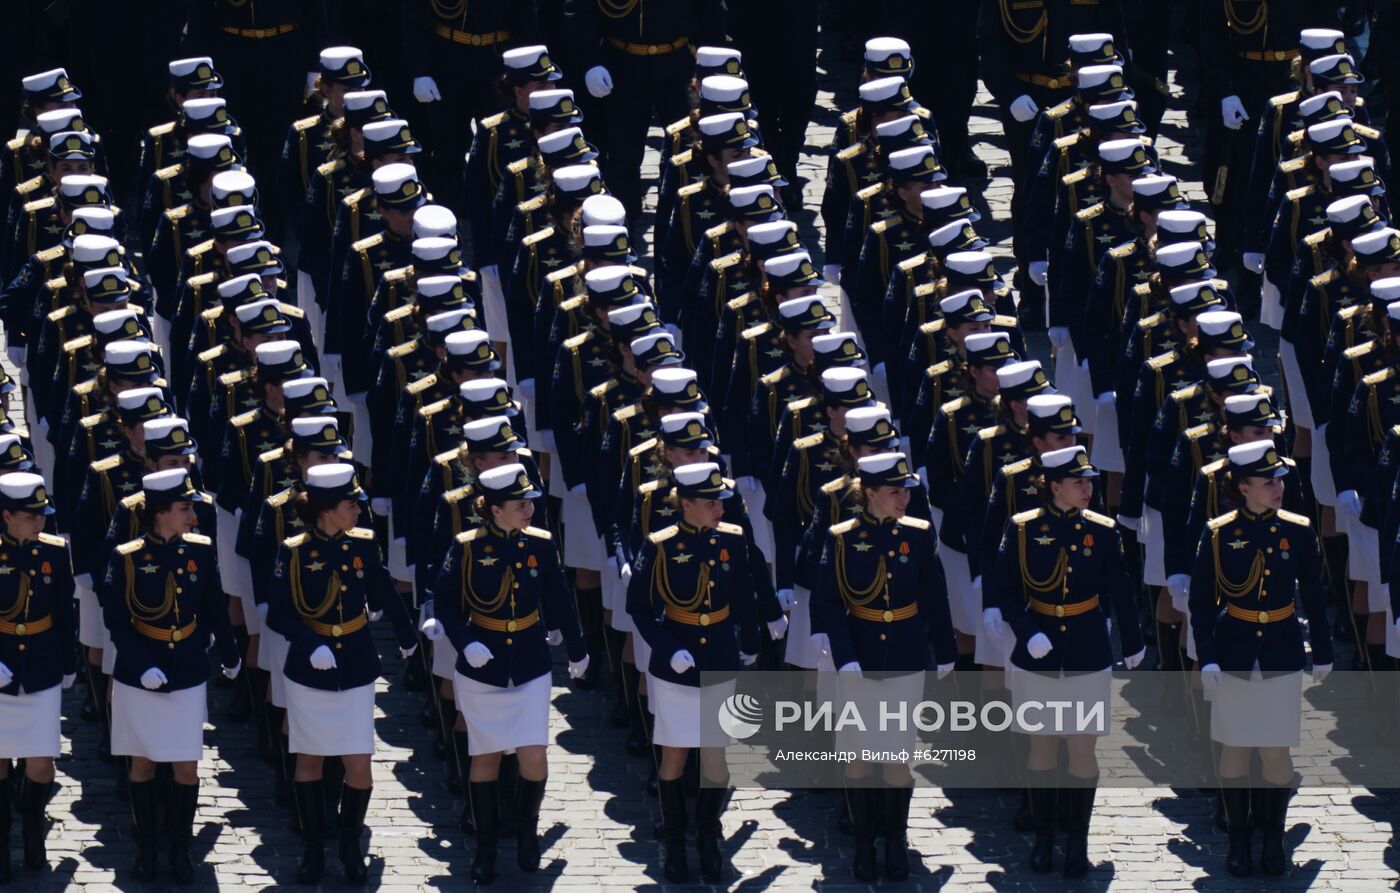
[1107, 451]
[29, 724]
[399, 568]
[109, 653]
[1270, 305]
[1392, 635]
[1081, 688]
[306, 300]
[641, 654]
[583, 548]
[1154, 566]
[1324, 486]
[1257, 712]
[1083, 395]
[444, 658]
[503, 719]
[1364, 558]
[1190, 638]
[493, 302]
[804, 648]
[869, 694]
[615, 601]
[92, 631]
[755, 498]
[272, 657]
[163, 727]
[237, 576]
[330, 723]
[160, 329]
[966, 607]
[1293, 379]
[43, 450]
[678, 714]
[363, 430]
[993, 651]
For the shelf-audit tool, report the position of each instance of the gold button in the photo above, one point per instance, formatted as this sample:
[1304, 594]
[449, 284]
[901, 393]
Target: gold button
[891, 553]
[704, 641]
[889, 616]
[712, 562]
[1263, 616]
[345, 567]
[176, 635]
[335, 630]
[20, 629]
[515, 586]
[179, 571]
[179, 591]
[1269, 550]
[1062, 627]
[651, 50]
[338, 646]
[1059, 610]
[1259, 633]
[170, 645]
[1074, 548]
[21, 646]
[510, 641]
[1078, 526]
[882, 637]
[518, 564]
[510, 626]
[704, 619]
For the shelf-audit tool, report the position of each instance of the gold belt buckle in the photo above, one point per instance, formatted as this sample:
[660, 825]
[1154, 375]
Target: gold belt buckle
[889, 616]
[651, 49]
[1263, 616]
[335, 630]
[20, 629]
[704, 619]
[175, 635]
[1059, 610]
[510, 626]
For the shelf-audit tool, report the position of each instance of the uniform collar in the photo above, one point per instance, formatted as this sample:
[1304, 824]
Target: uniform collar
[690, 528]
[1055, 512]
[321, 535]
[1267, 515]
[870, 519]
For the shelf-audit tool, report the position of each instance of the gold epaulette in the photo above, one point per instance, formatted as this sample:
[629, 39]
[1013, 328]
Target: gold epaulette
[599, 391]
[739, 303]
[232, 379]
[1065, 142]
[1223, 520]
[1292, 165]
[202, 280]
[352, 201]
[575, 303]
[1283, 99]
[132, 547]
[715, 232]
[1005, 321]
[1365, 131]
[1016, 467]
[641, 448]
[467, 536]
[63, 312]
[326, 168]
[271, 455]
[1211, 468]
[1357, 351]
[102, 466]
[169, 172]
[939, 369]
[399, 351]
[1143, 289]
[727, 261]
[201, 248]
[494, 121]
[210, 314]
[1187, 392]
[296, 542]
[662, 535]
[212, 354]
[49, 255]
[433, 408]
[1101, 520]
[810, 441]
[650, 487]
[530, 205]
[197, 539]
[244, 418]
[1027, 517]
[1151, 322]
[360, 533]
[568, 272]
[457, 494]
[1089, 213]
[851, 152]
[1376, 378]
[869, 192]
[1126, 250]
[880, 227]
[291, 311]
[39, 204]
[1196, 432]
[399, 313]
[77, 343]
[726, 527]
[519, 166]
[752, 333]
[417, 387]
[1075, 177]
[845, 526]
[1302, 192]
[537, 237]
[366, 243]
[776, 375]
[627, 412]
[577, 341]
[796, 406]
[914, 523]
[29, 185]
[910, 264]
[538, 533]
[989, 433]
[304, 124]
[953, 406]
[1163, 360]
[280, 498]
[1323, 279]
[689, 189]
[92, 421]
[161, 130]
[834, 487]
[49, 539]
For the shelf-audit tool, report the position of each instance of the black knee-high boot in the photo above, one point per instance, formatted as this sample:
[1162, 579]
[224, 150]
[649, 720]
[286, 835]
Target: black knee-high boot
[462, 760]
[1237, 800]
[143, 815]
[862, 803]
[709, 806]
[896, 826]
[333, 774]
[1079, 804]
[628, 679]
[33, 797]
[673, 822]
[5, 821]
[180, 826]
[528, 797]
[311, 802]
[616, 640]
[1270, 806]
[354, 802]
[241, 707]
[590, 609]
[485, 802]
[1044, 798]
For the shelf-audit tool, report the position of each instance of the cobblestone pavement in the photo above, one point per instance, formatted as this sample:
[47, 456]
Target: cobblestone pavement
[596, 819]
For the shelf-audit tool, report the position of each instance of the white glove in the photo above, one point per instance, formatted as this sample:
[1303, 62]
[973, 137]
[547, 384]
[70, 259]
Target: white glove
[747, 660]
[232, 672]
[525, 390]
[625, 575]
[786, 599]
[322, 658]
[311, 77]
[425, 89]
[578, 667]
[16, 355]
[1059, 337]
[1023, 108]
[262, 611]
[578, 490]
[1210, 675]
[777, 629]
[553, 637]
[1321, 671]
[83, 581]
[852, 666]
[69, 680]
[681, 661]
[374, 616]
[830, 272]
[993, 622]
[1037, 271]
[1129, 522]
[1254, 262]
[380, 505]
[153, 679]
[945, 669]
[1107, 398]
[1039, 646]
[1133, 660]
[6, 677]
[408, 652]
[598, 81]
[432, 629]
[1232, 112]
[1179, 588]
[1350, 502]
[477, 654]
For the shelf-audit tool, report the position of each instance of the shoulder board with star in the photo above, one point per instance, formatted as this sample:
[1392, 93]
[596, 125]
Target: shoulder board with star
[1060, 109]
[663, 535]
[326, 169]
[796, 406]
[1101, 520]
[197, 539]
[1015, 468]
[457, 494]
[531, 205]
[1325, 278]
[132, 547]
[360, 533]
[244, 419]
[578, 340]
[953, 406]
[1358, 351]
[739, 303]
[161, 130]
[39, 204]
[296, 542]
[212, 314]
[1027, 517]
[280, 498]
[1089, 213]
[691, 189]
[1223, 521]
[938, 370]
[1196, 432]
[1284, 99]
[1292, 165]
[92, 421]
[102, 466]
[1213, 468]
[811, 441]
[753, 333]
[727, 261]
[910, 264]
[880, 227]
[49, 539]
[494, 121]
[868, 193]
[447, 457]
[573, 304]
[1189, 392]
[913, 523]
[642, 448]
[1379, 377]
[1365, 131]
[78, 343]
[777, 375]
[1153, 321]
[233, 379]
[1163, 360]
[845, 527]
[1074, 178]
[421, 385]
[63, 312]
[563, 275]
[519, 166]
[538, 533]
[291, 311]
[836, 486]
[626, 412]
[1124, 251]
[366, 243]
[989, 433]
[538, 236]
[271, 455]
[212, 354]
[49, 255]
[598, 392]
[678, 126]
[434, 408]
[352, 201]
[851, 152]
[399, 313]
[731, 529]
[30, 186]
[301, 125]
[1066, 142]
[716, 232]
[1302, 192]
[170, 172]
